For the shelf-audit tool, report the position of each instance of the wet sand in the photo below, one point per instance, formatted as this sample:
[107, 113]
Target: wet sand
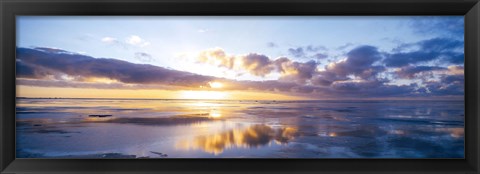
[62, 128]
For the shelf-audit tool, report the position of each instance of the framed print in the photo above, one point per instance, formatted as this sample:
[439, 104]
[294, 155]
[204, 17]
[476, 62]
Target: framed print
[183, 87]
[254, 86]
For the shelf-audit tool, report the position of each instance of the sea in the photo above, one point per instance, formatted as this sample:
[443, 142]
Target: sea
[164, 128]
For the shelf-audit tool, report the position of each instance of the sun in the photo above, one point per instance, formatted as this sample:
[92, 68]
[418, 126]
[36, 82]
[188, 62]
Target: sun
[215, 84]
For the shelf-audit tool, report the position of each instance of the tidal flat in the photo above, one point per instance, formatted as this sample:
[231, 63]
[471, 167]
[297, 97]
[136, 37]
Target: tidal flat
[154, 128]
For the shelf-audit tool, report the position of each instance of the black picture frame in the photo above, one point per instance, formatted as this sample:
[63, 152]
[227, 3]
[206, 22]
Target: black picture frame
[10, 8]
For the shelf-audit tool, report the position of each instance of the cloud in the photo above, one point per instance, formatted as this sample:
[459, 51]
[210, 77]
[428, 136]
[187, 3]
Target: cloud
[114, 42]
[295, 71]
[272, 45]
[267, 85]
[143, 57]
[347, 45]
[447, 85]
[441, 25]
[376, 88]
[359, 62]
[442, 49]
[440, 45]
[305, 52]
[41, 64]
[132, 40]
[358, 75]
[404, 59]
[368, 89]
[326, 78]
[42, 68]
[259, 65]
[24, 70]
[436, 81]
[217, 57]
[450, 82]
[312, 48]
[456, 70]
[136, 41]
[410, 72]
[55, 50]
[354, 85]
[390, 91]
[284, 87]
[320, 56]
[87, 84]
[109, 40]
[297, 52]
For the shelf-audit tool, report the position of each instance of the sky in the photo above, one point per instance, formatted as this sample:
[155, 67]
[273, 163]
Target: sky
[255, 57]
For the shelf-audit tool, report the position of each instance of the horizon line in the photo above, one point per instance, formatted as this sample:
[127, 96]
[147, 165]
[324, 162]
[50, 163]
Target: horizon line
[371, 99]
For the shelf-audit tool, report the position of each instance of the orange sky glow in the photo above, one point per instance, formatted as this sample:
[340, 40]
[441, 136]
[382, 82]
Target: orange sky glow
[62, 92]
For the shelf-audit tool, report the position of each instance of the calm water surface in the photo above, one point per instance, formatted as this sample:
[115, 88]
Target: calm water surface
[61, 128]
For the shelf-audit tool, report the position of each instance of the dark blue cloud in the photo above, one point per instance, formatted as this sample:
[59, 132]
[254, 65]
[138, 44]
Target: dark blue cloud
[440, 45]
[312, 48]
[409, 72]
[143, 57]
[372, 89]
[297, 52]
[364, 62]
[305, 89]
[359, 62]
[24, 70]
[404, 59]
[442, 49]
[268, 85]
[447, 85]
[441, 25]
[326, 78]
[454, 58]
[44, 62]
[449, 79]
[320, 56]
[309, 51]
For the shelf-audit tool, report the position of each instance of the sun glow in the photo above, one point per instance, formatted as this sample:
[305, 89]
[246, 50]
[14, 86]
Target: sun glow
[215, 114]
[215, 84]
[100, 80]
[213, 95]
[46, 92]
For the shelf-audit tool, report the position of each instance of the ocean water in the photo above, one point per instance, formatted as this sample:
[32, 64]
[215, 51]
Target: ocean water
[62, 128]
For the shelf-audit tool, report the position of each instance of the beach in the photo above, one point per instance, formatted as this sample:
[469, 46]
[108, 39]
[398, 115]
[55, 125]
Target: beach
[163, 128]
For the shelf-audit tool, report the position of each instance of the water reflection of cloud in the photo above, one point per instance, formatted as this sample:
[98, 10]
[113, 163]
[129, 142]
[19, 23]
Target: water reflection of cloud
[253, 136]
[98, 119]
[156, 121]
[453, 132]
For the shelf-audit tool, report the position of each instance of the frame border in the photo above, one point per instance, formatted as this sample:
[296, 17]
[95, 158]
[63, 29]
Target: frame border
[10, 8]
